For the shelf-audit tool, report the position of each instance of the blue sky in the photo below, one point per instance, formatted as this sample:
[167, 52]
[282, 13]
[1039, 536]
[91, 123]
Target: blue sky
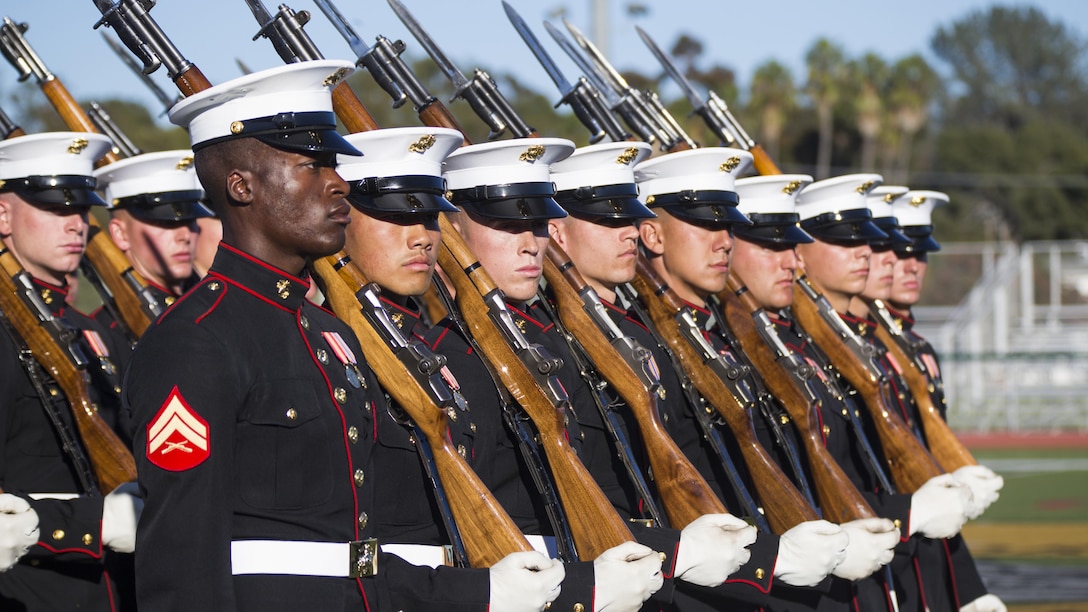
[741, 35]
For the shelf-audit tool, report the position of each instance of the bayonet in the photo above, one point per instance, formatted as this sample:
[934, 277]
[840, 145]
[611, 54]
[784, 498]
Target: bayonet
[132, 21]
[285, 31]
[122, 145]
[583, 99]
[713, 110]
[21, 55]
[631, 107]
[673, 136]
[164, 98]
[480, 92]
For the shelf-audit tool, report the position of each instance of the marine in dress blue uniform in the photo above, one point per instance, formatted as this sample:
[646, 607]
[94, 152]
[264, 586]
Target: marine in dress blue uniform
[49, 177]
[256, 408]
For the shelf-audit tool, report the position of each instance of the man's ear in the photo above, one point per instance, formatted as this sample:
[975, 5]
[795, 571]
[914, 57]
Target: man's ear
[119, 233]
[649, 233]
[5, 216]
[557, 230]
[238, 186]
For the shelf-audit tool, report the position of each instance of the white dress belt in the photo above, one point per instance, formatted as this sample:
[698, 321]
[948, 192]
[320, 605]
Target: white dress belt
[298, 558]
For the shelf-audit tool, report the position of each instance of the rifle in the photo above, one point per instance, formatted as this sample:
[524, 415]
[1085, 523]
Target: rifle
[714, 111]
[132, 21]
[126, 289]
[390, 72]
[909, 462]
[104, 124]
[525, 370]
[166, 101]
[789, 378]
[584, 99]
[8, 128]
[410, 373]
[625, 365]
[52, 343]
[481, 93]
[715, 379]
[641, 111]
[946, 448]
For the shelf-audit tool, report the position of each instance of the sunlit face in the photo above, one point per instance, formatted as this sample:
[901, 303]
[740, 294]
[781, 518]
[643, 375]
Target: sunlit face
[694, 259]
[294, 208]
[839, 270]
[879, 284]
[767, 269]
[512, 251]
[909, 274]
[604, 251]
[48, 242]
[209, 233]
[397, 252]
[162, 251]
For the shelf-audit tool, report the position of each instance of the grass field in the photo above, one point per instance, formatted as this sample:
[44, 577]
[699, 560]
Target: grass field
[1038, 529]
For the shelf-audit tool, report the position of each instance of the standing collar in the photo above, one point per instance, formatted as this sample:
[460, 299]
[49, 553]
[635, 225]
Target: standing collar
[258, 278]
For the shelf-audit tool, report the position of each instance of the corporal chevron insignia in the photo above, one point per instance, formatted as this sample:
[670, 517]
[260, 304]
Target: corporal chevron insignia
[177, 438]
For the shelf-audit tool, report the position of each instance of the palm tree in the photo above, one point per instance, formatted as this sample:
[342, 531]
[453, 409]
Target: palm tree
[912, 87]
[772, 96]
[869, 75]
[826, 65]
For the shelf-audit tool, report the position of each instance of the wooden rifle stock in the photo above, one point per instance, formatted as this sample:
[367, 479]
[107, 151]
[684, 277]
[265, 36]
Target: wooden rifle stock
[685, 493]
[783, 504]
[351, 111]
[946, 448]
[593, 521]
[840, 500]
[488, 532]
[72, 113]
[909, 462]
[762, 161]
[110, 459]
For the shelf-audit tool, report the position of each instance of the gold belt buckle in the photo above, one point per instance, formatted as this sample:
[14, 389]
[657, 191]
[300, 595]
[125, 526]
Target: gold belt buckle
[364, 558]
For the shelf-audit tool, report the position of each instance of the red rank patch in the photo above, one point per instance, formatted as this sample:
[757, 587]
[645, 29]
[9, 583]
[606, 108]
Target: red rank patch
[177, 438]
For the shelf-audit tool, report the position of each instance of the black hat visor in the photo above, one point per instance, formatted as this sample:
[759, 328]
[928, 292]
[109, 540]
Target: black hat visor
[54, 191]
[529, 201]
[921, 239]
[844, 226]
[710, 207]
[309, 132]
[397, 195]
[165, 206]
[604, 202]
[777, 228]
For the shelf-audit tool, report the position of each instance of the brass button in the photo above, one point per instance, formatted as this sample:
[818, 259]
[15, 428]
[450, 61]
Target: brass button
[363, 519]
[359, 478]
[827, 431]
[760, 573]
[579, 607]
[898, 524]
[785, 419]
[214, 286]
[87, 539]
[340, 394]
[461, 450]
[844, 413]
[292, 414]
[451, 412]
[170, 300]
[58, 534]
[353, 434]
[322, 355]
[472, 427]
[305, 322]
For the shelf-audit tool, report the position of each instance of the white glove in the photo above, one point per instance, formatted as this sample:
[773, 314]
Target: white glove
[938, 509]
[120, 513]
[872, 544]
[712, 547]
[625, 576]
[524, 582]
[984, 485]
[986, 603]
[18, 529]
[808, 552]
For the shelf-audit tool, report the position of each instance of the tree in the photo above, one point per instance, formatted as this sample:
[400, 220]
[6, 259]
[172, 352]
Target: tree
[826, 68]
[912, 86]
[1010, 62]
[773, 95]
[869, 74]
